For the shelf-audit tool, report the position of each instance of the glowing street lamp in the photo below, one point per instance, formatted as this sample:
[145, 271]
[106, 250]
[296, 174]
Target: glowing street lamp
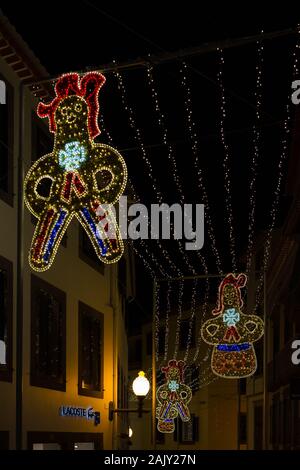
[140, 387]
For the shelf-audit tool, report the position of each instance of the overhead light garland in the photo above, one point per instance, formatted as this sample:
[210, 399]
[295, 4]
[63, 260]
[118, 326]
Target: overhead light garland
[276, 193]
[168, 313]
[172, 160]
[173, 397]
[137, 135]
[138, 138]
[231, 332]
[226, 163]
[204, 306]
[72, 169]
[255, 156]
[156, 319]
[191, 126]
[142, 243]
[192, 320]
[179, 316]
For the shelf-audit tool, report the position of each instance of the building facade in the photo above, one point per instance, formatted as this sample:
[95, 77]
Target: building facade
[63, 344]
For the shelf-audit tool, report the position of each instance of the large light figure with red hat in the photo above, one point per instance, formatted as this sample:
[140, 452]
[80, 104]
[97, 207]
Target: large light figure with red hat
[231, 332]
[173, 397]
[83, 175]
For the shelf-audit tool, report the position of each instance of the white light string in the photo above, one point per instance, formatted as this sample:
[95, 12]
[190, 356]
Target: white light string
[178, 320]
[203, 315]
[142, 243]
[255, 155]
[171, 158]
[191, 126]
[164, 132]
[282, 159]
[132, 123]
[157, 319]
[168, 312]
[137, 135]
[192, 319]
[275, 203]
[226, 162]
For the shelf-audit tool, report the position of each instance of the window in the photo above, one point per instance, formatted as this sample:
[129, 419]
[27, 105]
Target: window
[6, 145]
[87, 252]
[6, 305]
[184, 333]
[90, 354]
[48, 335]
[187, 432]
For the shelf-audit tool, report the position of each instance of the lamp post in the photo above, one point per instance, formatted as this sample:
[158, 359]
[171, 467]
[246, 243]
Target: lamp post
[140, 388]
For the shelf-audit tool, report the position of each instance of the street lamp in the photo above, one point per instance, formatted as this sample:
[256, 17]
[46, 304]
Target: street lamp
[140, 388]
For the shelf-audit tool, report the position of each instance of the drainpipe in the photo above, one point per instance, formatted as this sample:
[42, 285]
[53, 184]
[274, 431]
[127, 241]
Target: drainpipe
[20, 267]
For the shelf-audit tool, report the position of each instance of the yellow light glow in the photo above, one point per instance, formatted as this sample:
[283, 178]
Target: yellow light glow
[141, 385]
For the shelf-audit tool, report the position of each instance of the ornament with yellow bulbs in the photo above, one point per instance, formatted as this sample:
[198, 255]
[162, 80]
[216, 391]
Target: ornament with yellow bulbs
[232, 333]
[83, 175]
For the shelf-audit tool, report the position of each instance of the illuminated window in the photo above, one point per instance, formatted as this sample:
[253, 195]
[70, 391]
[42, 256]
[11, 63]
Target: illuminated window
[90, 352]
[48, 335]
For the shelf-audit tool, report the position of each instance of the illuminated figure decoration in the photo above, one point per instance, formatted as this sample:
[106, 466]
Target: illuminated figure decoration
[82, 175]
[173, 397]
[232, 332]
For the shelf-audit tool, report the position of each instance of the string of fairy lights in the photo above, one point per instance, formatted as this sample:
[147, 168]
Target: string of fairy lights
[168, 268]
[164, 132]
[226, 161]
[129, 109]
[191, 126]
[275, 204]
[227, 186]
[154, 260]
[177, 180]
[192, 320]
[150, 254]
[204, 307]
[255, 155]
[168, 312]
[178, 320]
[137, 135]
[277, 191]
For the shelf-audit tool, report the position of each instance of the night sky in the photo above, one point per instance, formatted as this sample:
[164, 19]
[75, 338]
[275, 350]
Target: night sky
[88, 34]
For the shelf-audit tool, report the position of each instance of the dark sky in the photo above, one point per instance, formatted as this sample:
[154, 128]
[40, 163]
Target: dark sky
[69, 36]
